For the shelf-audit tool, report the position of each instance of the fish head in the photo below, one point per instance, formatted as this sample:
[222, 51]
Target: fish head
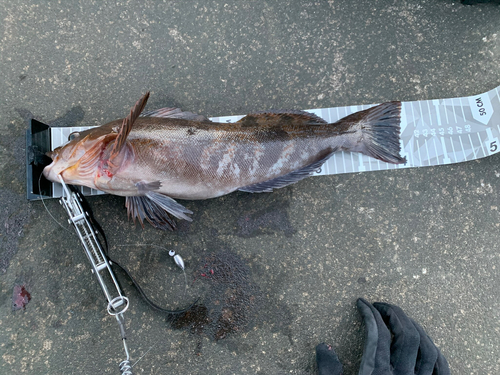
[77, 160]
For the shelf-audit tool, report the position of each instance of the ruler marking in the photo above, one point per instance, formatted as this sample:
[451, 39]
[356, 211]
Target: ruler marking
[419, 154]
[341, 156]
[335, 163]
[481, 143]
[472, 147]
[361, 165]
[427, 149]
[324, 168]
[404, 124]
[412, 156]
[343, 161]
[453, 148]
[492, 141]
[446, 158]
[463, 149]
[435, 149]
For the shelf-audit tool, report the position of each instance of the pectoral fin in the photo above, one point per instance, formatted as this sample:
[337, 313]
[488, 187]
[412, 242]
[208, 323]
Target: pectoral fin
[155, 208]
[127, 127]
[288, 179]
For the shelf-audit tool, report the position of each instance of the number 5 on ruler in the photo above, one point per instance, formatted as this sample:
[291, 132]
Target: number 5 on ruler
[492, 143]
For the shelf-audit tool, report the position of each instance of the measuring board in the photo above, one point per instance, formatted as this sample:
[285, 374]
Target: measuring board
[433, 132]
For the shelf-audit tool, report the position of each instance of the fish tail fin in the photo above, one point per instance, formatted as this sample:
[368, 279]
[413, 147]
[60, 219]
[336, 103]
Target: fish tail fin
[380, 128]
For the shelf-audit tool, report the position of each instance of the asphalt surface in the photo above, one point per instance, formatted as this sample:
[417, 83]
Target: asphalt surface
[294, 261]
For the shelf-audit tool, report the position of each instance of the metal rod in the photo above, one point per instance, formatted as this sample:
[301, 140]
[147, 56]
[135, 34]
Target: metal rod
[117, 302]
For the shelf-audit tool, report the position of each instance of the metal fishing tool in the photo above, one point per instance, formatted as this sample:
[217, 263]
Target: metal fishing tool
[117, 302]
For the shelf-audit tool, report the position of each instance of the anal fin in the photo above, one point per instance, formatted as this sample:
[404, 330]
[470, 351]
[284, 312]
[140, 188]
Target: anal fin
[288, 179]
[155, 208]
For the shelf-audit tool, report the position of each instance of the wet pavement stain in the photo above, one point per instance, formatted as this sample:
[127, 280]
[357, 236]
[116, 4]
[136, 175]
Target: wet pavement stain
[11, 228]
[231, 302]
[70, 118]
[267, 221]
[17, 215]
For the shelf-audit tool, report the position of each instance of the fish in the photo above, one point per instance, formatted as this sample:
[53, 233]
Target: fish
[155, 157]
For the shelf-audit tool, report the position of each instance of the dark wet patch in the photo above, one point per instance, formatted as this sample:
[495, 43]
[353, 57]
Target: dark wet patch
[231, 302]
[195, 319]
[89, 302]
[252, 224]
[183, 226]
[57, 324]
[15, 215]
[20, 297]
[362, 280]
[70, 118]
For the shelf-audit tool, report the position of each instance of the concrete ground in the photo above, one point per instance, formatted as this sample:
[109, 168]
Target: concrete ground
[294, 261]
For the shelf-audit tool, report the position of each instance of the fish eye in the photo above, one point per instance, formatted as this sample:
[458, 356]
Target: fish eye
[73, 136]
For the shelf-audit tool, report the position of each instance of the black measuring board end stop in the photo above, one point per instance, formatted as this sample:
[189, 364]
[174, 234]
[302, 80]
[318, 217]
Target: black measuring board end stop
[38, 142]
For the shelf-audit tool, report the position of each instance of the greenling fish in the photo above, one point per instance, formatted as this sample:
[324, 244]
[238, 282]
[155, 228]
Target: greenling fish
[167, 154]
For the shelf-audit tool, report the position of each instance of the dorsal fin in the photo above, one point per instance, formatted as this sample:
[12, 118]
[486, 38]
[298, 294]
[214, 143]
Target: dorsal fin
[127, 127]
[292, 116]
[171, 112]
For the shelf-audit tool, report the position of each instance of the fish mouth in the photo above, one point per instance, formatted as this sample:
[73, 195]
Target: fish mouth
[49, 173]
[55, 169]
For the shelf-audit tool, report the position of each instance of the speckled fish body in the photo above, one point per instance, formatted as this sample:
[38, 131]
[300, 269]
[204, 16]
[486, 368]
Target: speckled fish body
[192, 159]
[200, 160]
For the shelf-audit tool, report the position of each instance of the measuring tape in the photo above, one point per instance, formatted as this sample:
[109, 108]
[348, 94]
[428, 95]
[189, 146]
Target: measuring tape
[433, 132]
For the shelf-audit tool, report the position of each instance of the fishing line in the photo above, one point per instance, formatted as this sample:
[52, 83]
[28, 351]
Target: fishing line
[90, 217]
[170, 252]
[146, 353]
[43, 202]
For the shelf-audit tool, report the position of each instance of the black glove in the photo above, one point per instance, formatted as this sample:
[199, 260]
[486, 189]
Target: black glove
[395, 345]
